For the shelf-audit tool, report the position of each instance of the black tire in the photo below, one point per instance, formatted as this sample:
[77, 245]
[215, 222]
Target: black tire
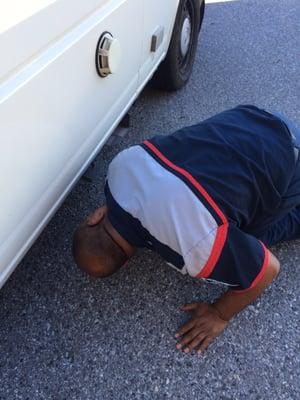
[175, 71]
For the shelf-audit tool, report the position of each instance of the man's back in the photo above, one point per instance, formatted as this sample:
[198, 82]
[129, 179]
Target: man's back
[194, 196]
[242, 157]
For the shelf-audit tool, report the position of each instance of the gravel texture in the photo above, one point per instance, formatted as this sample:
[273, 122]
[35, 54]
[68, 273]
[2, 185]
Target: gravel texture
[66, 336]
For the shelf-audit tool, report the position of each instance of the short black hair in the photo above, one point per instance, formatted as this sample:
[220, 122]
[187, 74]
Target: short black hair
[95, 252]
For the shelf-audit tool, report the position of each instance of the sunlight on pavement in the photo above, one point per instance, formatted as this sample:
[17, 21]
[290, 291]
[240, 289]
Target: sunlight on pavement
[218, 1]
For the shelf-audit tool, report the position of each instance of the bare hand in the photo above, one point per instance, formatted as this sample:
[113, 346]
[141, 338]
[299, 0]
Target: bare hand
[204, 326]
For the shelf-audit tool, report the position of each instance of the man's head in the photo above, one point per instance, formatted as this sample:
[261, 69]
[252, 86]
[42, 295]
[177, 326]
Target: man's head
[97, 249]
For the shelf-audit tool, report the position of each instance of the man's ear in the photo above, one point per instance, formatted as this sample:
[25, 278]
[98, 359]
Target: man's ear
[97, 216]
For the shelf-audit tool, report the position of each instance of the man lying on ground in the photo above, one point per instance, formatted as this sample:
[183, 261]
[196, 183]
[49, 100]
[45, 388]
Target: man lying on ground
[211, 199]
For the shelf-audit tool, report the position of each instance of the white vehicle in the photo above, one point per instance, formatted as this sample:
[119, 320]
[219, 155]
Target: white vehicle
[58, 106]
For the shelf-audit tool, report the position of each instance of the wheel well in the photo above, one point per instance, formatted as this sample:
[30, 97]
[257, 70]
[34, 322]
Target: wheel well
[202, 9]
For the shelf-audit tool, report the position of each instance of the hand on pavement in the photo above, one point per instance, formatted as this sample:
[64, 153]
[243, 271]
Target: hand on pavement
[204, 326]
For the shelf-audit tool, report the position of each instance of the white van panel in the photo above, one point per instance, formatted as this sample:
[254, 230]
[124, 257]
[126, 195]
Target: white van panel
[55, 114]
[28, 27]
[158, 15]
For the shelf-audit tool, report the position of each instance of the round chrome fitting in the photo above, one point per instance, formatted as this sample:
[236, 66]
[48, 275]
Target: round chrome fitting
[108, 55]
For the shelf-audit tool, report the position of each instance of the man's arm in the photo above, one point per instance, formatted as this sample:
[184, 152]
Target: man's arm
[232, 302]
[209, 320]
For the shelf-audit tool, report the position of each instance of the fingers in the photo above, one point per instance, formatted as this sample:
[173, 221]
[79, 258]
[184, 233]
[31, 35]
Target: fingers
[204, 345]
[195, 342]
[194, 339]
[189, 307]
[185, 328]
[200, 331]
[187, 338]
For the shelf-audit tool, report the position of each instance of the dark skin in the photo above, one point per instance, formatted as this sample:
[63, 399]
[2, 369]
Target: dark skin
[100, 215]
[208, 320]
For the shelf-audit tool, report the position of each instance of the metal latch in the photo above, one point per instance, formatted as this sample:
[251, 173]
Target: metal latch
[157, 39]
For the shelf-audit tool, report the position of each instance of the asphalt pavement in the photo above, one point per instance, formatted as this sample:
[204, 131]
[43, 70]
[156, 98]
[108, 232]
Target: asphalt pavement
[64, 335]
